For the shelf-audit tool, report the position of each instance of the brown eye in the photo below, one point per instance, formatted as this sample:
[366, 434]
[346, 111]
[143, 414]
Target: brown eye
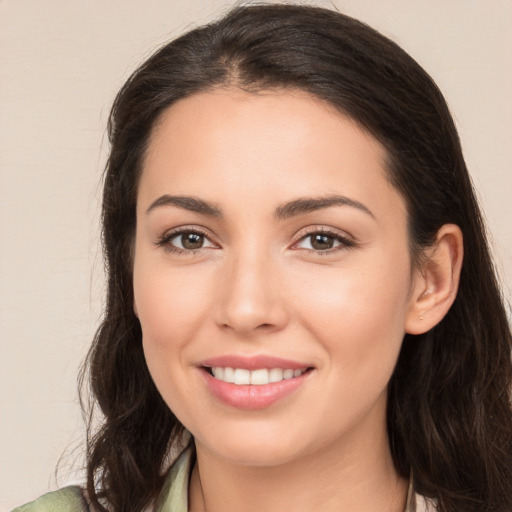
[191, 241]
[321, 242]
[324, 241]
[186, 241]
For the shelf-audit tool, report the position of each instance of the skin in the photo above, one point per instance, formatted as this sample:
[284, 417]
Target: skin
[257, 286]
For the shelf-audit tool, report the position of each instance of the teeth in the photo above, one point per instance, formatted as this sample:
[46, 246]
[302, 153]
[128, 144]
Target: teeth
[275, 375]
[229, 375]
[259, 377]
[218, 372]
[242, 376]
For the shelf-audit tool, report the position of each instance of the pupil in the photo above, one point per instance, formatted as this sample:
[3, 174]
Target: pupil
[322, 242]
[192, 241]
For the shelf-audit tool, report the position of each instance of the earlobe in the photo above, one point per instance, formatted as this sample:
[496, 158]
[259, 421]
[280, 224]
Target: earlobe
[436, 281]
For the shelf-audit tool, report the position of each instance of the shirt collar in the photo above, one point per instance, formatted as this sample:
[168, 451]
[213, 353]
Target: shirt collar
[174, 496]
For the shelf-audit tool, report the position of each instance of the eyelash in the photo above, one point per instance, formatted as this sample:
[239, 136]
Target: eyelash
[344, 242]
[165, 240]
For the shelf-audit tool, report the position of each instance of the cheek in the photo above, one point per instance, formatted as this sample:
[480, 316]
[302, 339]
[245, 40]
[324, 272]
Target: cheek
[170, 307]
[358, 313]
[358, 318]
[162, 292]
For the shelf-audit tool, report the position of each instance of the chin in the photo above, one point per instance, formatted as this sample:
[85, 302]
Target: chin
[257, 450]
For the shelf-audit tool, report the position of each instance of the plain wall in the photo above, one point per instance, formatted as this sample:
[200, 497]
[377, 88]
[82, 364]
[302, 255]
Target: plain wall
[61, 63]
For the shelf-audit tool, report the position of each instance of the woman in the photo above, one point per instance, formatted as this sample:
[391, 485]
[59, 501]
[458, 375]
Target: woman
[299, 278]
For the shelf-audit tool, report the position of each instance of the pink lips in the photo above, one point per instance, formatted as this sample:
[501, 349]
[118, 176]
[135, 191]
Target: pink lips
[252, 396]
[253, 362]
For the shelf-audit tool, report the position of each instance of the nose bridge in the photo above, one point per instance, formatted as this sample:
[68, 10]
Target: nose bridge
[250, 298]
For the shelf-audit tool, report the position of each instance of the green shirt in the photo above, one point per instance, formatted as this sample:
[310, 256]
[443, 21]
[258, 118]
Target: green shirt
[71, 499]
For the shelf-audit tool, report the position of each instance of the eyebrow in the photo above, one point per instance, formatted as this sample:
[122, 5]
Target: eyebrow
[192, 204]
[293, 208]
[309, 204]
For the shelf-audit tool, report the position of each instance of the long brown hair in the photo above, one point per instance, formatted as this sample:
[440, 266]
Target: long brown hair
[449, 413]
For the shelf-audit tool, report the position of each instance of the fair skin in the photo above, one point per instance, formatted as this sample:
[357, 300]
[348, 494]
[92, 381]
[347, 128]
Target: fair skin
[256, 265]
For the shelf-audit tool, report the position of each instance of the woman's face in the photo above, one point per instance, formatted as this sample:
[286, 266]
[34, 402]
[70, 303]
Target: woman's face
[270, 245]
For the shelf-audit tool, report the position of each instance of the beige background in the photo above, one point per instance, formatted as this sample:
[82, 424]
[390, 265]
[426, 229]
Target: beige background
[61, 62]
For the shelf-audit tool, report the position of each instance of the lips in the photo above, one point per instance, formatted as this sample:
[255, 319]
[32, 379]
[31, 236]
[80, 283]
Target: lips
[253, 382]
[253, 362]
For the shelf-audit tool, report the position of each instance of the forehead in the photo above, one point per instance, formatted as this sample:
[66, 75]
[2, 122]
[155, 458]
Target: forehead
[229, 144]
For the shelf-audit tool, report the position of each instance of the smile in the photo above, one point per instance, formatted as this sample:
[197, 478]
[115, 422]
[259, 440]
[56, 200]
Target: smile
[254, 382]
[258, 377]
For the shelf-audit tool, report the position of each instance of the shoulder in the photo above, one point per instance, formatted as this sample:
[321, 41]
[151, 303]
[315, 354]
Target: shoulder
[67, 499]
[174, 497]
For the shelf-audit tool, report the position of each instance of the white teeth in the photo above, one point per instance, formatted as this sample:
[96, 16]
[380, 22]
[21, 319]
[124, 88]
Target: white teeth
[218, 372]
[229, 375]
[275, 375]
[259, 377]
[242, 376]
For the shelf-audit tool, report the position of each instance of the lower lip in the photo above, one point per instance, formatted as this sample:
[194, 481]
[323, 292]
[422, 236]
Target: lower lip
[252, 396]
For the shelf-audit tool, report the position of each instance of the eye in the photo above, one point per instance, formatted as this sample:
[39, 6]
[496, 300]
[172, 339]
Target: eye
[324, 241]
[185, 241]
[189, 241]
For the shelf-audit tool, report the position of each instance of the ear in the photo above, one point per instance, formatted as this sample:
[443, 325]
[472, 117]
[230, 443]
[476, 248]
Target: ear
[436, 281]
[135, 311]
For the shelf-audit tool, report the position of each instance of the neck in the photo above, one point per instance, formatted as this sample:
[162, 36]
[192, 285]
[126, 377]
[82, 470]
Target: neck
[347, 475]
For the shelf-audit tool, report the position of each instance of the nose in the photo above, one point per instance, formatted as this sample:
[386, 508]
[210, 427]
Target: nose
[250, 296]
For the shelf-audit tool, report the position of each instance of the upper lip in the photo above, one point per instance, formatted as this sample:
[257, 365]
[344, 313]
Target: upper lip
[253, 362]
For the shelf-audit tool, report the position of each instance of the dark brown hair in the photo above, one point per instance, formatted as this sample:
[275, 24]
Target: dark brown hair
[449, 413]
